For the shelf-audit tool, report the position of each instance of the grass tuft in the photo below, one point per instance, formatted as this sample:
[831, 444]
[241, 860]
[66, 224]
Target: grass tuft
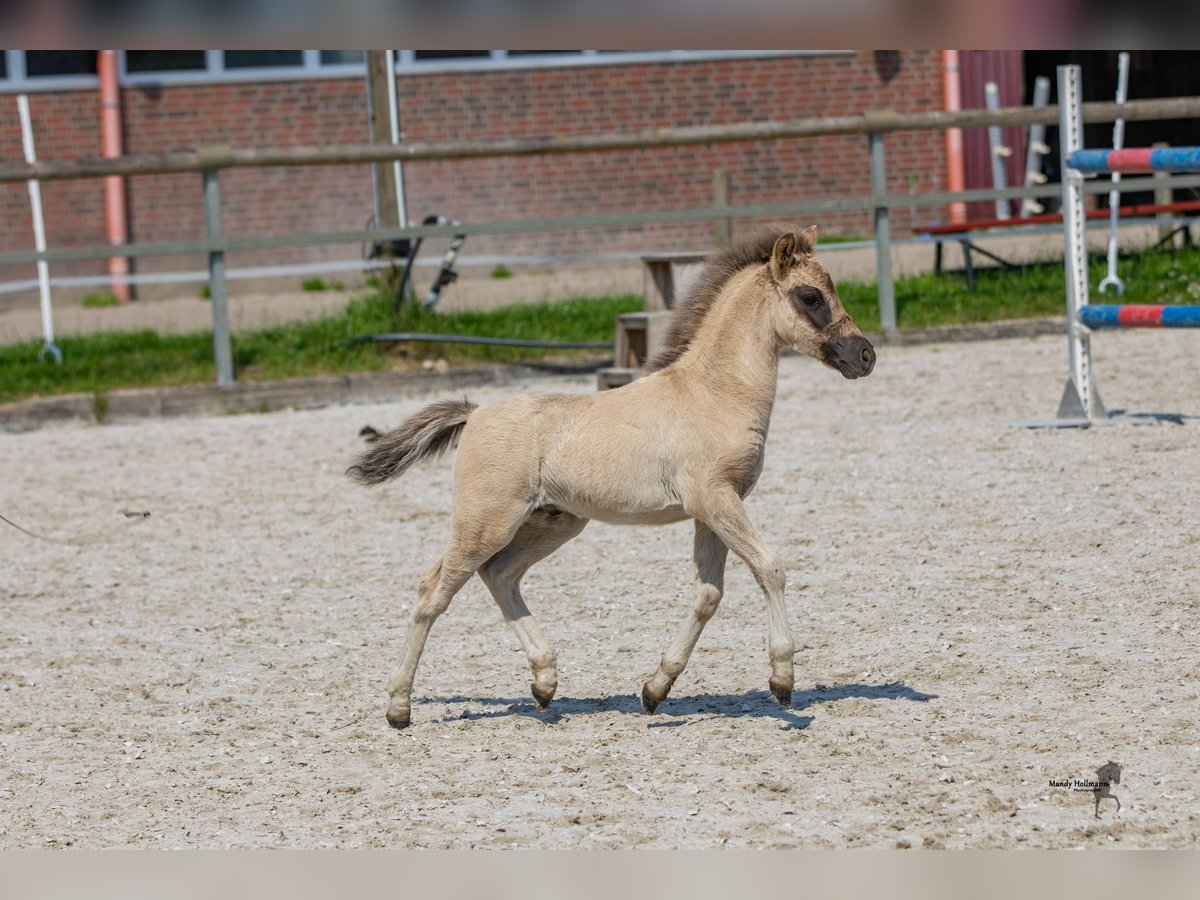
[96, 301]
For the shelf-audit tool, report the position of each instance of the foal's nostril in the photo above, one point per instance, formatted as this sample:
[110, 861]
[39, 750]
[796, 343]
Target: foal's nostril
[868, 358]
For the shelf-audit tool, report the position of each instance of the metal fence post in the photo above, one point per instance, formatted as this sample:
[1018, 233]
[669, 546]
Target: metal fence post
[1163, 196]
[883, 236]
[722, 230]
[222, 348]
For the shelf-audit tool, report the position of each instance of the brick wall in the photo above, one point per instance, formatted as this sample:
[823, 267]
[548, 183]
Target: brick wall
[480, 105]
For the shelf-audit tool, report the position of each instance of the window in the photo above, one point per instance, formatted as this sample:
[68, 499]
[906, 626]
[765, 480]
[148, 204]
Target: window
[263, 59]
[451, 54]
[165, 60]
[49, 63]
[208, 66]
[47, 70]
[41, 70]
[343, 57]
[414, 61]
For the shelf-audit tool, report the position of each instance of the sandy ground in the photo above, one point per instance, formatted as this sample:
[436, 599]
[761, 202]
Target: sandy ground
[979, 609]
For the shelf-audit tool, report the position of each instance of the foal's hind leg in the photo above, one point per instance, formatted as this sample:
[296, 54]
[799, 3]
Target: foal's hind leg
[709, 553]
[477, 534]
[541, 535]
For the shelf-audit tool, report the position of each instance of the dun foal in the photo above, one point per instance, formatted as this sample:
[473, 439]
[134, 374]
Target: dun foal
[684, 442]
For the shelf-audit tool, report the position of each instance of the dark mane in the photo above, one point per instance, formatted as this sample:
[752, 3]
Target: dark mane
[719, 267]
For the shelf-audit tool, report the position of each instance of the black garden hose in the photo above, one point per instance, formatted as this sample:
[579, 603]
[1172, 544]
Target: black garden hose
[396, 337]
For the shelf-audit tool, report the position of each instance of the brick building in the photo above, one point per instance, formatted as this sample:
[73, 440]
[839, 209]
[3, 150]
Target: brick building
[184, 99]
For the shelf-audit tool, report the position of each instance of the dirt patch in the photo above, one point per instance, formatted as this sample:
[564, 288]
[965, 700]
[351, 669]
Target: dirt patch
[979, 610]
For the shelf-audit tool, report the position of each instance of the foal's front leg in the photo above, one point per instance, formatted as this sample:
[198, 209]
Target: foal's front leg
[724, 513]
[709, 553]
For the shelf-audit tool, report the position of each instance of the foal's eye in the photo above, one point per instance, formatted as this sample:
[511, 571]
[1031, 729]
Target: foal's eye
[811, 297]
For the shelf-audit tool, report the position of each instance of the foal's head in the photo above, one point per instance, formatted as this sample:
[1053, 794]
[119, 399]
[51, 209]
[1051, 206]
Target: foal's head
[805, 309]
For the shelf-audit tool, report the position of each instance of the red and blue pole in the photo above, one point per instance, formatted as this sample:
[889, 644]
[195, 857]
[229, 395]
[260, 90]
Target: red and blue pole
[1136, 159]
[1104, 315]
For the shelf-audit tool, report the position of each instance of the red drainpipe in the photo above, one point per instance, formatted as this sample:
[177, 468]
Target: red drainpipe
[955, 173]
[114, 185]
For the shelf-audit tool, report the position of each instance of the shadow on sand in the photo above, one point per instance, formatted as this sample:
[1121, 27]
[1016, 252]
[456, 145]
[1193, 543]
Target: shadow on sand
[680, 711]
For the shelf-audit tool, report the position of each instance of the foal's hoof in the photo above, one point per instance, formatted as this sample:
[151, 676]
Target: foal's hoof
[781, 692]
[649, 701]
[542, 696]
[399, 718]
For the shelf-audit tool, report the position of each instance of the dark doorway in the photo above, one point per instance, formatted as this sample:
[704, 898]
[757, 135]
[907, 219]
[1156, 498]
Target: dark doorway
[1152, 73]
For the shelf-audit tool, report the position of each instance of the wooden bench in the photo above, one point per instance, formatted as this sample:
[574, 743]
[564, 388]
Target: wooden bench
[639, 335]
[663, 273]
[961, 232]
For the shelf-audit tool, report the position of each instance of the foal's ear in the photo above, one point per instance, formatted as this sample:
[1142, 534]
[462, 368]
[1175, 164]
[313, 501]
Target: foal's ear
[808, 240]
[783, 257]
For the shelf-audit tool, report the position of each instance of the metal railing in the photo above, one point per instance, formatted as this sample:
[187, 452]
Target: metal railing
[875, 125]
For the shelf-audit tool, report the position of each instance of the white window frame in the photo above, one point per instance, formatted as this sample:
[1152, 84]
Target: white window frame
[499, 60]
[311, 66]
[215, 71]
[18, 82]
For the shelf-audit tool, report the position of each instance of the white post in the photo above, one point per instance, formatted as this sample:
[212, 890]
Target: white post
[394, 116]
[999, 151]
[1080, 399]
[1114, 196]
[39, 231]
[1037, 148]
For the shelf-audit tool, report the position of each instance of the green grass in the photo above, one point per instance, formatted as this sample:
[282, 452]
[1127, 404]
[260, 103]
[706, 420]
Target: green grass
[824, 238]
[102, 362]
[109, 360]
[1029, 292]
[502, 271]
[95, 301]
[316, 285]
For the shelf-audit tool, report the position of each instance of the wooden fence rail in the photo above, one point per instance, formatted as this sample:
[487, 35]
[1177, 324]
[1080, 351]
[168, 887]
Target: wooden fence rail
[882, 122]
[595, 220]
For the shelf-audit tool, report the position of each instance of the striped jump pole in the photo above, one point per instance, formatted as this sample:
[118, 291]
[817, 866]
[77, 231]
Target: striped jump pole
[1104, 315]
[1081, 403]
[1137, 160]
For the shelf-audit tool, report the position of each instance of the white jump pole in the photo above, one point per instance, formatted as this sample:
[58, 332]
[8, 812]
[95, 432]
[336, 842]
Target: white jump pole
[39, 233]
[999, 151]
[1037, 148]
[394, 117]
[1114, 196]
[1081, 402]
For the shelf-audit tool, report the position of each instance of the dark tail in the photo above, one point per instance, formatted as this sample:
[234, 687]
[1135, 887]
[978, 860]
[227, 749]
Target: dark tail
[429, 433]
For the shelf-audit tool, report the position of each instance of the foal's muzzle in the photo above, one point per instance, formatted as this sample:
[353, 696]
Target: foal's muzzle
[852, 355]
